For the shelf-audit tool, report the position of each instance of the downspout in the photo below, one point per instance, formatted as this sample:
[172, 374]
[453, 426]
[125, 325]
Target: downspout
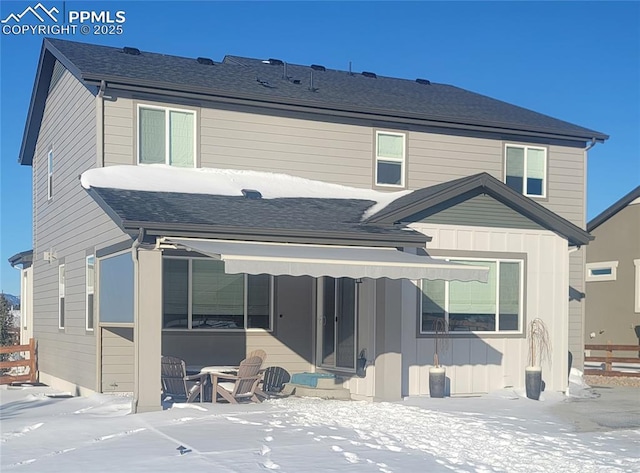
[136, 333]
[100, 125]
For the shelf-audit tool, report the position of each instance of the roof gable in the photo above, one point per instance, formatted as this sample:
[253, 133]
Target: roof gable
[423, 203]
[613, 209]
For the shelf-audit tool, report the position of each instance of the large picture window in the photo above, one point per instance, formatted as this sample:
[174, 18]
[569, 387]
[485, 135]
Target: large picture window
[115, 289]
[494, 306]
[166, 136]
[390, 159]
[197, 294]
[526, 169]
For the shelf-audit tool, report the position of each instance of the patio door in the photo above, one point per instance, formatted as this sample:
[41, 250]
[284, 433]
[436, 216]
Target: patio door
[337, 310]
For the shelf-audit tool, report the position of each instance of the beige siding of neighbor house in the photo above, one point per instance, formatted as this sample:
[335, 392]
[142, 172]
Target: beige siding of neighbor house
[611, 305]
[68, 225]
[483, 363]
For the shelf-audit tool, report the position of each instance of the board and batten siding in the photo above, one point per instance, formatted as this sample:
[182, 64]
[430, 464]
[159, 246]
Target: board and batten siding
[68, 225]
[480, 364]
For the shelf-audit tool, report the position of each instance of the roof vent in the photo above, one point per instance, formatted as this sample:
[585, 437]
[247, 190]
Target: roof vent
[276, 62]
[317, 67]
[132, 51]
[205, 60]
[370, 74]
[251, 194]
[423, 81]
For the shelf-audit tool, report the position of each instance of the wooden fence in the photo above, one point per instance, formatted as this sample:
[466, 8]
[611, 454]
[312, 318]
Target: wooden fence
[609, 359]
[31, 362]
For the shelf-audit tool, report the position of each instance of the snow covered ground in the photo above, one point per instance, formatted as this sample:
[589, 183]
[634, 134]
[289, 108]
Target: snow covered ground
[44, 431]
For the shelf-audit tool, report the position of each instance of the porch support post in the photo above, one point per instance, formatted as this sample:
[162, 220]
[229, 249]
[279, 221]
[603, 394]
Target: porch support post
[148, 331]
[388, 364]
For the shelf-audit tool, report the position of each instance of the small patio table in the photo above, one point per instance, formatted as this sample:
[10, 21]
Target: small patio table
[216, 372]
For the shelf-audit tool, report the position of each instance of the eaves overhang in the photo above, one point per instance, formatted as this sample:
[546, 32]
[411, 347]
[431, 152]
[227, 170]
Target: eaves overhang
[355, 112]
[407, 238]
[613, 209]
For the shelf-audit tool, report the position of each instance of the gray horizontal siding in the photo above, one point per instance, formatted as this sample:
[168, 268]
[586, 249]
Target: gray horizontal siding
[69, 224]
[117, 359]
[576, 308]
[483, 211]
[301, 145]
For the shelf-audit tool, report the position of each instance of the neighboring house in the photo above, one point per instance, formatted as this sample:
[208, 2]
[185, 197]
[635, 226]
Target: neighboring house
[313, 235]
[613, 274]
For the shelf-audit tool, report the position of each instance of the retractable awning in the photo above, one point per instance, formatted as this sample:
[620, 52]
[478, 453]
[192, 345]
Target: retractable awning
[326, 260]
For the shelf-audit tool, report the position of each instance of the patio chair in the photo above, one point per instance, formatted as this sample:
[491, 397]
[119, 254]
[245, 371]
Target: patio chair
[177, 384]
[259, 353]
[273, 381]
[239, 387]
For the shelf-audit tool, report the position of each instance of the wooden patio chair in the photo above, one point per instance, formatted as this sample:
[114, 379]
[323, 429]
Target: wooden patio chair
[241, 386]
[259, 353]
[177, 384]
[273, 381]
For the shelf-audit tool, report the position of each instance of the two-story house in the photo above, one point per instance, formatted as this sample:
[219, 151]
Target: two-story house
[202, 209]
[613, 274]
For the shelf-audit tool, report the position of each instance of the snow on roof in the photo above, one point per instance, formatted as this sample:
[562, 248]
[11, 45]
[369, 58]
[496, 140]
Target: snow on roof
[229, 182]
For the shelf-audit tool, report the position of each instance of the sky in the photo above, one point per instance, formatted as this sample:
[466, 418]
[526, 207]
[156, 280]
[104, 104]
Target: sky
[45, 431]
[576, 61]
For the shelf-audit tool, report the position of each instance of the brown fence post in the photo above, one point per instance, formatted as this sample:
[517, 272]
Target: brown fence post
[608, 364]
[32, 361]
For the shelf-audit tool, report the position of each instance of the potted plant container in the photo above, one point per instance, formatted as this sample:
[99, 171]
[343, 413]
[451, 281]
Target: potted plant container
[539, 351]
[438, 373]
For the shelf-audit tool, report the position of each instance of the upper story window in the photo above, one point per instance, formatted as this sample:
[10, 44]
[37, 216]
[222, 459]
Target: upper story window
[390, 159]
[166, 136]
[526, 169]
[50, 174]
[494, 306]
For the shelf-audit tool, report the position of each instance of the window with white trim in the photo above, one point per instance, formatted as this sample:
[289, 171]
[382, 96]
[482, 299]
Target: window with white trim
[90, 290]
[390, 159]
[198, 294]
[61, 295]
[602, 271]
[526, 169]
[50, 174]
[166, 136]
[473, 306]
[636, 263]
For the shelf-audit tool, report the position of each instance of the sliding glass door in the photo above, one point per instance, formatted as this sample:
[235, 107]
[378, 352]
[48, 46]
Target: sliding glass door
[337, 322]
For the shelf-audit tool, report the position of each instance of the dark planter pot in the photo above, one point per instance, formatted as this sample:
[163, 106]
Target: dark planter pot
[437, 380]
[533, 382]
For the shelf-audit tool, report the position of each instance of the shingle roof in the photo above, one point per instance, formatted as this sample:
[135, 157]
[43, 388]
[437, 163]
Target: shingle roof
[182, 213]
[613, 209]
[440, 196]
[334, 92]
